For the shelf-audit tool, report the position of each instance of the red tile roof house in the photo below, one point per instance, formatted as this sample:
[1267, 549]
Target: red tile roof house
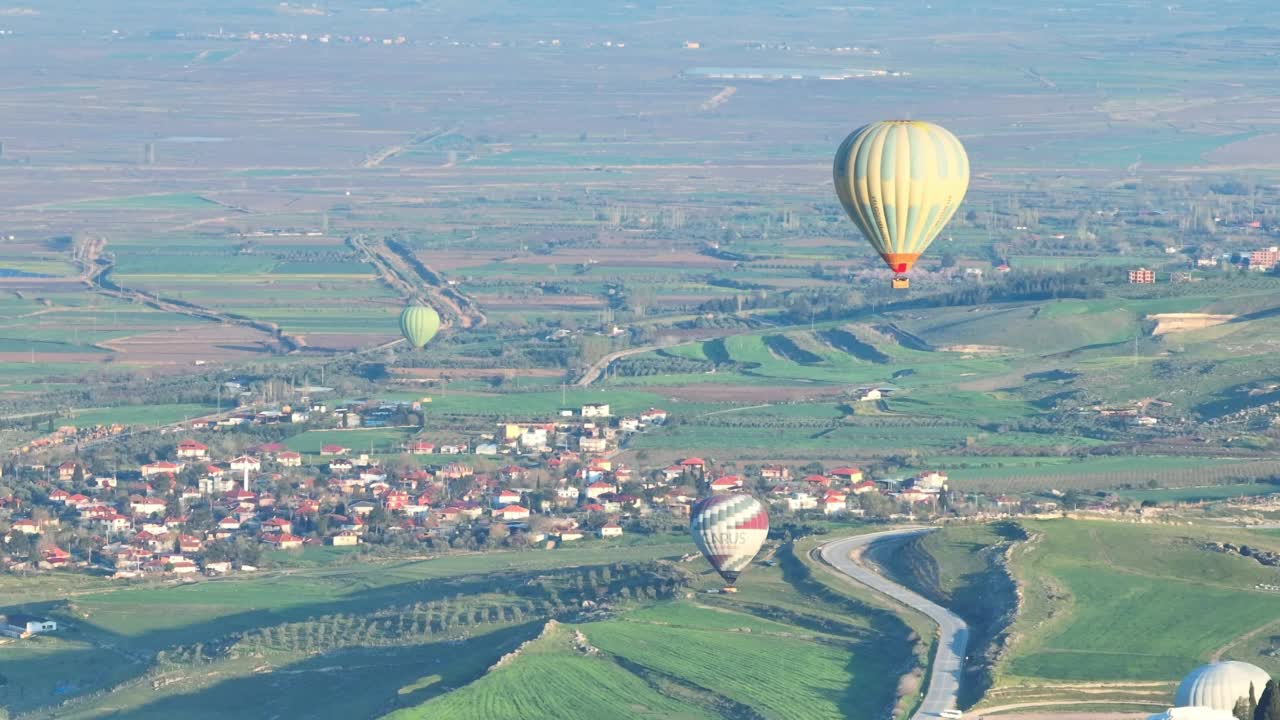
[289, 458]
[146, 505]
[333, 450]
[285, 541]
[277, 525]
[822, 480]
[596, 489]
[161, 468]
[848, 474]
[725, 483]
[56, 556]
[192, 449]
[512, 512]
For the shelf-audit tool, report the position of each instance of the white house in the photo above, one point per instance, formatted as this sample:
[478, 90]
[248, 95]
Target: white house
[146, 506]
[210, 485]
[162, 467]
[22, 625]
[596, 410]
[801, 501]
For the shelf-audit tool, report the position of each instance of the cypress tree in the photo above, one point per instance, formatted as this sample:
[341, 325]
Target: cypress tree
[1269, 703]
[1241, 710]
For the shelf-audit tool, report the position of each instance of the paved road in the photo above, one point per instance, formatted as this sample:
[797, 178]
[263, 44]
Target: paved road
[953, 636]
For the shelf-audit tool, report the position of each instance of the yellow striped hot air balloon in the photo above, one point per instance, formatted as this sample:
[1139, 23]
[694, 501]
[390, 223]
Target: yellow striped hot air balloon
[901, 181]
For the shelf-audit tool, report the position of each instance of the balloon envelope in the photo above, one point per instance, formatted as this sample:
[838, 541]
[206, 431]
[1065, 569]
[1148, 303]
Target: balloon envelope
[419, 324]
[900, 181]
[729, 530]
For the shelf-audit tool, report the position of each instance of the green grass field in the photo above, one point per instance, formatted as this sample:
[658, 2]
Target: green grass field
[150, 415]
[1202, 494]
[1114, 602]
[551, 678]
[376, 440]
[145, 620]
[655, 659]
[774, 670]
[163, 201]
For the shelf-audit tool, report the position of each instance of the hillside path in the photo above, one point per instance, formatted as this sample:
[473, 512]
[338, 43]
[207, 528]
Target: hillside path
[953, 633]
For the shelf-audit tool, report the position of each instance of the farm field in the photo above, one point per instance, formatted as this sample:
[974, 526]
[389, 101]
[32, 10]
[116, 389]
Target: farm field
[179, 620]
[409, 658]
[230, 204]
[1203, 494]
[1098, 599]
[1101, 598]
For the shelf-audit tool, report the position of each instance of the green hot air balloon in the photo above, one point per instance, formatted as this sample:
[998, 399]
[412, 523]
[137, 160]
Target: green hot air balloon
[419, 323]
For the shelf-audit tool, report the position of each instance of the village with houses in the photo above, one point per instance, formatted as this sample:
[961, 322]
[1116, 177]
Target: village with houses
[190, 513]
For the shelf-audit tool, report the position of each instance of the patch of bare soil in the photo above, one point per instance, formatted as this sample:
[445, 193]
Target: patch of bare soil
[1252, 151]
[1177, 322]
[338, 341]
[1073, 716]
[187, 345]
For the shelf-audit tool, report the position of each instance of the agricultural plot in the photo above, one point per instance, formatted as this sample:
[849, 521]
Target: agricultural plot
[551, 677]
[840, 653]
[1207, 493]
[783, 677]
[145, 415]
[372, 441]
[1020, 474]
[284, 617]
[1114, 602]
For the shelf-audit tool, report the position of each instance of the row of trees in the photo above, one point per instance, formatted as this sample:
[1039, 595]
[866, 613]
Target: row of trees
[521, 598]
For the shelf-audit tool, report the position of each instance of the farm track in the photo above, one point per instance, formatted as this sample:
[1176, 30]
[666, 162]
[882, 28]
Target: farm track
[408, 276]
[95, 270]
[1217, 654]
[387, 153]
[1053, 703]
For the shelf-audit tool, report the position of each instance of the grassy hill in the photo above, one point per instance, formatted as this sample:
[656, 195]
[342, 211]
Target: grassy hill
[336, 636]
[1110, 601]
[1110, 613]
[552, 676]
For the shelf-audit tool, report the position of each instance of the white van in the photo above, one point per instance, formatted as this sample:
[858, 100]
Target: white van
[951, 714]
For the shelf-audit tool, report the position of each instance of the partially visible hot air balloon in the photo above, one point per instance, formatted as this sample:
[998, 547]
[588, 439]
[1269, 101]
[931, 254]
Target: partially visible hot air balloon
[729, 530]
[901, 181]
[419, 323]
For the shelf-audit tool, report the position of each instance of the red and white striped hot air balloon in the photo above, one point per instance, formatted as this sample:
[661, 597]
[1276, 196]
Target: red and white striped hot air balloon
[729, 530]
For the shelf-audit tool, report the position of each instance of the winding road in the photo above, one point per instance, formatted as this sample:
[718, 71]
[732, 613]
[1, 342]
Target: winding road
[953, 633]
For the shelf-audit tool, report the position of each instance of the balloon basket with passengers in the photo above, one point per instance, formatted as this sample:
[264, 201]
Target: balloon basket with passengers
[901, 181]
